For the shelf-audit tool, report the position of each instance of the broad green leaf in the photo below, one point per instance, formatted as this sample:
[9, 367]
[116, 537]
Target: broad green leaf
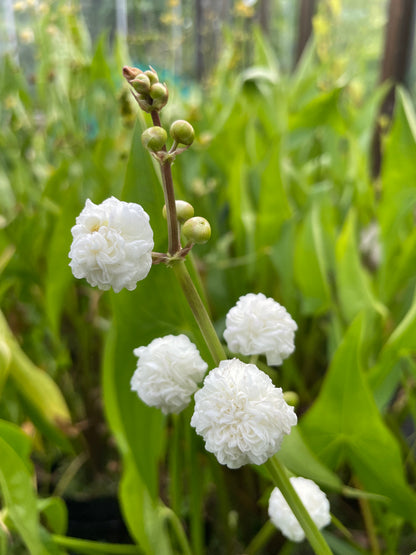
[345, 426]
[138, 431]
[58, 273]
[322, 109]
[353, 284]
[19, 498]
[310, 263]
[55, 513]
[273, 206]
[404, 267]
[340, 546]
[142, 514]
[242, 212]
[299, 459]
[17, 439]
[42, 397]
[385, 375]
[398, 178]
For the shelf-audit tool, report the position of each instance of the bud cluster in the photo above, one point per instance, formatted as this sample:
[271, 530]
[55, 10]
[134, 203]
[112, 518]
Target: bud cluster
[154, 138]
[151, 95]
[195, 229]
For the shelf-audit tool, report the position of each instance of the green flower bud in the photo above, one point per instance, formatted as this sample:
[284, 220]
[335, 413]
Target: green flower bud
[143, 100]
[184, 210]
[291, 398]
[154, 138]
[197, 230]
[160, 95]
[131, 73]
[152, 75]
[141, 83]
[182, 132]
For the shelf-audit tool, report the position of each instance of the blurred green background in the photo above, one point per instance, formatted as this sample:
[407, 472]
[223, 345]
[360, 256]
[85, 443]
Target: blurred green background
[282, 167]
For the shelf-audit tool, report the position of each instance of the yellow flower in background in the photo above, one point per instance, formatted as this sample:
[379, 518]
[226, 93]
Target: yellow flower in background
[27, 35]
[19, 6]
[245, 8]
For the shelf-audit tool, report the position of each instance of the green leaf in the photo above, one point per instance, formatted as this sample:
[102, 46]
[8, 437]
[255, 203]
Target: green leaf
[273, 205]
[299, 459]
[55, 512]
[353, 284]
[156, 308]
[17, 439]
[141, 512]
[344, 425]
[322, 109]
[58, 274]
[19, 497]
[398, 176]
[41, 395]
[310, 263]
[382, 377]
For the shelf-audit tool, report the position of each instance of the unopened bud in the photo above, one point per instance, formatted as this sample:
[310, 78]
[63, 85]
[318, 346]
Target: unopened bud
[160, 95]
[152, 75]
[291, 398]
[131, 73]
[182, 132]
[197, 230]
[143, 100]
[184, 210]
[154, 138]
[141, 83]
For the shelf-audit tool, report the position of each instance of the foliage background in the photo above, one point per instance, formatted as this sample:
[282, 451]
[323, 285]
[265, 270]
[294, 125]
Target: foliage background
[280, 168]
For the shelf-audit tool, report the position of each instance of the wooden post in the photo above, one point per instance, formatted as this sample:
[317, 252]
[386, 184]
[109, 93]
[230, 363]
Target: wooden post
[395, 64]
[265, 16]
[306, 13]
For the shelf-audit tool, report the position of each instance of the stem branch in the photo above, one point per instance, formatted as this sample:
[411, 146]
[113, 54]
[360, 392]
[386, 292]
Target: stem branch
[281, 480]
[199, 311]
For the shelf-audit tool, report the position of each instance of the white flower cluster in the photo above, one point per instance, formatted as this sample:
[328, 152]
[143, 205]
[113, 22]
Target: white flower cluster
[112, 244]
[314, 500]
[259, 325]
[241, 415]
[168, 372]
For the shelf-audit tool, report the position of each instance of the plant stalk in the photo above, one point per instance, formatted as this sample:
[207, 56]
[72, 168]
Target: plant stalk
[199, 311]
[281, 480]
[174, 240]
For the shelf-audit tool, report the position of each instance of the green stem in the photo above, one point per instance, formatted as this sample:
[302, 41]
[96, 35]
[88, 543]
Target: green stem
[89, 547]
[261, 539]
[369, 523]
[174, 240]
[177, 528]
[199, 311]
[281, 480]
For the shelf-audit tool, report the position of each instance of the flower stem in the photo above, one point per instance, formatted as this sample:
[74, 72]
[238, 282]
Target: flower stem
[178, 530]
[261, 539]
[369, 522]
[199, 311]
[174, 240]
[281, 480]
[194, 300]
